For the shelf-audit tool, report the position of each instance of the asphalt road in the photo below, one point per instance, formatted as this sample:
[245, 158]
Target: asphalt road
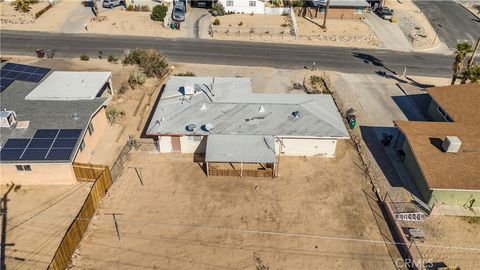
[457, 24]
[350, 60]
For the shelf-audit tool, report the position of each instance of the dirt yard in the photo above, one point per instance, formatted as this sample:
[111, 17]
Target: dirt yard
[37, 219]
[174, 217]
[354, 33]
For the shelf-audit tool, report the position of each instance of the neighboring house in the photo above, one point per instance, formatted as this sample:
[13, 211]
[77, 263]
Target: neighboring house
[244, 6]
[49, 120]
[443, 157]
[214, 116]
[339, 9]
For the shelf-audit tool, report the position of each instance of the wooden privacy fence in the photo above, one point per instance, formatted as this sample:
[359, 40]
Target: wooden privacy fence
[102, 179]
[236, 173]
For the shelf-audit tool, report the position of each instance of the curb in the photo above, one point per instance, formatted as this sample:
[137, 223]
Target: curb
[471, 12]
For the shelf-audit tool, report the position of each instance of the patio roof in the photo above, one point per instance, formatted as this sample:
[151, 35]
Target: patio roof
[240, 148]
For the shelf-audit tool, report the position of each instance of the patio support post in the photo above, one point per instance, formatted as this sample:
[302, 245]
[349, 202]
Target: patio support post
[241, 169]
[207, 169]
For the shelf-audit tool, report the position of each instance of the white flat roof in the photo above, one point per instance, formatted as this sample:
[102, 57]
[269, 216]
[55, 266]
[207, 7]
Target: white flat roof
[70, 85]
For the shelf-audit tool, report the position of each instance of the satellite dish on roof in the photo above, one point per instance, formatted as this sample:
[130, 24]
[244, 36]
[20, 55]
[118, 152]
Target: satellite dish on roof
[191, 127]
[208, 126]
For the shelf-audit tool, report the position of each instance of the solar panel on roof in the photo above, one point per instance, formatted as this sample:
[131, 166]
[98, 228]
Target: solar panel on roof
[40, 143]
[19, 67]
[8, 66]
[30, 69]
[45, 133]
[11, 154]
[34, 154]
[23, 72]
[16, 143]
[34, 78]
[4, 83]
[69, 133]
[60, 154]
[64, 143]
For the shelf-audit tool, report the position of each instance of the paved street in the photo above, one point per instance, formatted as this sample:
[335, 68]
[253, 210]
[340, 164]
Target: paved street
[457, 24]
[350, 60]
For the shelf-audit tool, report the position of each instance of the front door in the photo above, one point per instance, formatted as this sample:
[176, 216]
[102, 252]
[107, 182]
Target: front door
[176, 145]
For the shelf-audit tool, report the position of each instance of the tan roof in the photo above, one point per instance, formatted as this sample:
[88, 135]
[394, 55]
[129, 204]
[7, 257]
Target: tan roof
[459, 101]
[444, 170]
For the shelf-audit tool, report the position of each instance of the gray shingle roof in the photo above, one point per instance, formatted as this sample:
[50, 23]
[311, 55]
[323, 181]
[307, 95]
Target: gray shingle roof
[44, 114]
[240, 148]
[237, 111]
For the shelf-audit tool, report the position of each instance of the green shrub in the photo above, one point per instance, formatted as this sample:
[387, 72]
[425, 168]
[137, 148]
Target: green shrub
[113, 115]
[218, 9]
[277, 3]
[151, 62]
[186, 74]
[159, 12]
[297, 3]
[216, 21]
[23, 5]
[84, 57]
[137, 78]
[112, 58]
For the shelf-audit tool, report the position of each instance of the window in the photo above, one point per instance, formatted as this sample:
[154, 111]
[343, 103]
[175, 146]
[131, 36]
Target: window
[82, 145]
[358, 10]
[444, 114]
[21, 168]
[90, 128]
[229, 3]
[252, 3]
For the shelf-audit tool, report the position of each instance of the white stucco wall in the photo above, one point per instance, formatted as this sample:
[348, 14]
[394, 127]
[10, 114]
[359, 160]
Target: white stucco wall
[308, 147]
[190, 146]
[165, 143]
[244, 6]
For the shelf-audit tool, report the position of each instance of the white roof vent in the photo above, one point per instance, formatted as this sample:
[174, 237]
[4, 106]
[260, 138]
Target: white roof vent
[7, 118]
[189, 88]
[191, 127]
[262, 109]
[208, 126]
[451, 144]
[203, 108]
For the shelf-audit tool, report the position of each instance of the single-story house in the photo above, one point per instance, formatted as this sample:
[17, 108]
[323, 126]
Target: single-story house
[339, 9]
[213, 116]
[244, 6]
[49, 120]
[443, 156]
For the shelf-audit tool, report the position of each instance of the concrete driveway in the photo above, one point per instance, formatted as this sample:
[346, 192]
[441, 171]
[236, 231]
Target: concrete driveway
[389, 33]
[457, 24]
[194, 22]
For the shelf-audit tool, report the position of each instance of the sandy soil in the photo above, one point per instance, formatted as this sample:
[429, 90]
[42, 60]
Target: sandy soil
[473, 7]
[52, 20]
[37, 219]
[180, 219]
[354, 33]
[414, 24]
[121, 22]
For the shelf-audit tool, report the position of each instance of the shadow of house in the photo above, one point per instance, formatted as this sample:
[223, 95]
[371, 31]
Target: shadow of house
[410, 108]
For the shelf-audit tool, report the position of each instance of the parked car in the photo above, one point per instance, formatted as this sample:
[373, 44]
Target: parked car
[384, 13]
[178, 13]
[112, 3]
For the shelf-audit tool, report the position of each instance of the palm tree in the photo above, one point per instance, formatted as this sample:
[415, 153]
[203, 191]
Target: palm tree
[471, 73]
[462, 50]
[23, 5]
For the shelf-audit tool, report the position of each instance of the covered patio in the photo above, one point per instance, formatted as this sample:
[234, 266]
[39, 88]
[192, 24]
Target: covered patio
[241, 155]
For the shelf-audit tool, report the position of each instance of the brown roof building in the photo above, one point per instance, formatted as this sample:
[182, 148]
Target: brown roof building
[446, 173]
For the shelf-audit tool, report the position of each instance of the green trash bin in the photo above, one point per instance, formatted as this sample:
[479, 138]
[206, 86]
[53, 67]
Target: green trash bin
[352, 121]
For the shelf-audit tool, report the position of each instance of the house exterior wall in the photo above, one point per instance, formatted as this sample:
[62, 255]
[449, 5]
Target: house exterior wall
[165, 144]
[434, 113]
[308, 147]
[191, 145]
[41, 174]
[100, 123]
[244, 6]
[414, 170]
[455, 197]
[333, 12]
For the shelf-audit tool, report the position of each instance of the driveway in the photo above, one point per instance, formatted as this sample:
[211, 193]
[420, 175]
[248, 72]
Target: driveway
[193, 22]
[389, 33]
[457, 24]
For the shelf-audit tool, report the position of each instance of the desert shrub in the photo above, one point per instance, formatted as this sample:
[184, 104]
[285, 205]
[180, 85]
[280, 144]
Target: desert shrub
[151, 62]
[320, 84]
[284, 25]
[186, 74]
[133, 142]
[240, 23]
[23, 5]
[145, 8]
[216, 21]
[130, 8]
[113, 115]
[137, 78]
[112, 58]
[159, 12]
[137, 8]
[84, 57]
[218, 9]
[277, 3]
[297, 3]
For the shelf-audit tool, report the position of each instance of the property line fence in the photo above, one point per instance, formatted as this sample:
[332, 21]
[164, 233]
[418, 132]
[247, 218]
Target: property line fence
[102, 179]
[117, 167]
[277, 11]
[252, 32]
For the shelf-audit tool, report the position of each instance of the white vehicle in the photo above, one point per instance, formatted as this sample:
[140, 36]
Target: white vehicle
[111, 3]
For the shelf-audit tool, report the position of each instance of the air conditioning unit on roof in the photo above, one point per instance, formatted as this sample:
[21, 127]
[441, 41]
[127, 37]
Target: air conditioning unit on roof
[451, 144]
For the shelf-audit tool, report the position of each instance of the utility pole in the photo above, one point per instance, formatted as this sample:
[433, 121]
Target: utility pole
[325, 14]
[470, 62]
